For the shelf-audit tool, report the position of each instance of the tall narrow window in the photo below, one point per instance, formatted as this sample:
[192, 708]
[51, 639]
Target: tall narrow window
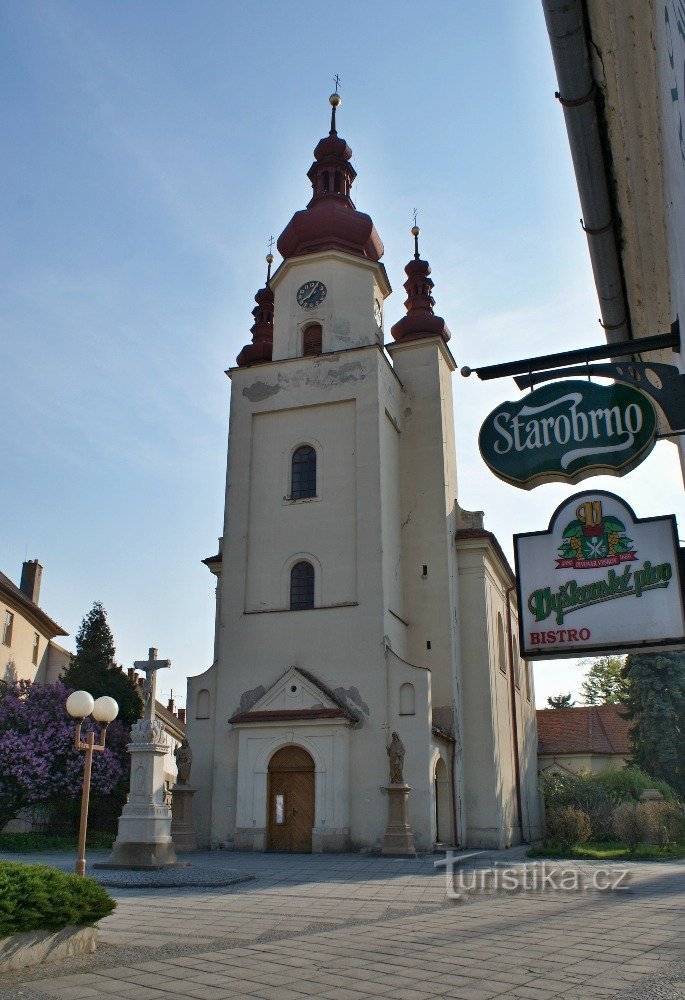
[301, 586]
[312, 340]
[36, 645]
[303, 479]
[7, 629]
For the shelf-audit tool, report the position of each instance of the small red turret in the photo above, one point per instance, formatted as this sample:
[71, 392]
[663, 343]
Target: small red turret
[420, 321]
[262, 330]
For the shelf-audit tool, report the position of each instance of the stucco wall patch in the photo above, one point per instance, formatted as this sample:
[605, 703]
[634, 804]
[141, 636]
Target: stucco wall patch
[352, 695]
[259, 391]
[250, 698]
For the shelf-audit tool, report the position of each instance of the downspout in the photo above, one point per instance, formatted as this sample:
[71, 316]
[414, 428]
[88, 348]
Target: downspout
[514, 718]
[453, 784]
[568, 36]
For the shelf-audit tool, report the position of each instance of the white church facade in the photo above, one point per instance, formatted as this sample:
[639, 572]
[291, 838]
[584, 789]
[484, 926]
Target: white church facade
[354, 597]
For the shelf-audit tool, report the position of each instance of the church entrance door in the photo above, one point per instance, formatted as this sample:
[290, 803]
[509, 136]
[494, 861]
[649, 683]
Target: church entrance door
[291, 800]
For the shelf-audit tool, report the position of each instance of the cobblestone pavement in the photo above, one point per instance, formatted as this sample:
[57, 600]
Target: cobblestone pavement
[356, 927]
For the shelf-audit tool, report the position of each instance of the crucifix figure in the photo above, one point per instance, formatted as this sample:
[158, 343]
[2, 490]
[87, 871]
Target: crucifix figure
[149, 668]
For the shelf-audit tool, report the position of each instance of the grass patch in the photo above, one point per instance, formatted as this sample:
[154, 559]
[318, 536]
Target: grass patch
[30, 843]
[38, 898]
[597, 850]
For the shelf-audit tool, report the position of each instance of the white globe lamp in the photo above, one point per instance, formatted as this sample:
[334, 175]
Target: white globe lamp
[80, 704]
[105, 710]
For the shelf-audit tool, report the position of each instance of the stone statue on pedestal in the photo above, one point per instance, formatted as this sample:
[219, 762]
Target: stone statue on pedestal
[184, 762]
[396, 754]
[399, 838]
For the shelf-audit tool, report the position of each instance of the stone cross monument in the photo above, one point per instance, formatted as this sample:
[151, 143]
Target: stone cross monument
[144, 836]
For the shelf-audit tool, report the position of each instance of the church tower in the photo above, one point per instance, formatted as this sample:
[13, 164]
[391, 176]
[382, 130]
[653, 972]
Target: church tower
[338, 606]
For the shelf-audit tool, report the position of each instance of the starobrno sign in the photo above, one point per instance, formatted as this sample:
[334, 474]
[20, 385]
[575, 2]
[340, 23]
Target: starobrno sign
[567, 431]
[598, 580]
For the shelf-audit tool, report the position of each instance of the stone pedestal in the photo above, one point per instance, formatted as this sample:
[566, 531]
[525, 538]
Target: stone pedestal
[183, 831]
[144, 836]
[399, 838]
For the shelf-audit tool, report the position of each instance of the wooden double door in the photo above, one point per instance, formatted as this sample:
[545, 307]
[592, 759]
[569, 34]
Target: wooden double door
[291, 800]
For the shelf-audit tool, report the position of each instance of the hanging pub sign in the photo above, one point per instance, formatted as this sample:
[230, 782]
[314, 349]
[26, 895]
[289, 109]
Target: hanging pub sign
[567, 431]
[598, 580]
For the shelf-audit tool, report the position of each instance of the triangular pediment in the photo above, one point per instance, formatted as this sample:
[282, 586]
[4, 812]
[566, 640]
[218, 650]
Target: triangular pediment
[296, 693]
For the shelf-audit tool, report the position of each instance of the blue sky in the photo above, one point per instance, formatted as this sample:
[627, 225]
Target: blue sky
[151, 149]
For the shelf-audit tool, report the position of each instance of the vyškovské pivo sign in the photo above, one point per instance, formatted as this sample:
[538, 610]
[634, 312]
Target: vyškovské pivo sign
[567, 431]
[598, 580]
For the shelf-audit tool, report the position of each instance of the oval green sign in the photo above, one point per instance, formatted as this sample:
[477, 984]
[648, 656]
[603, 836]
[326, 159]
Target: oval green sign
[566, 431]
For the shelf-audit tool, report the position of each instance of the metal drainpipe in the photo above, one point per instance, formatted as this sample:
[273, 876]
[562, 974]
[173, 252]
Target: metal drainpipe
[514, 718]
[566, 26]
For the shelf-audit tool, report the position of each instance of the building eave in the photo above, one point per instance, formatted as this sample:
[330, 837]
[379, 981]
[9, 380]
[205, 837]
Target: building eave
[13, 597]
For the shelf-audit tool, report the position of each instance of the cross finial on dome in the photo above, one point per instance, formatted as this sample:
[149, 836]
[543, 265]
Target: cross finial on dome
[335, 100]
[269, 259]
[415, 233]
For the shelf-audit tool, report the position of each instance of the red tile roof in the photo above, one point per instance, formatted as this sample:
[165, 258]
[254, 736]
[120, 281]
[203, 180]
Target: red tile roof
[587, 729]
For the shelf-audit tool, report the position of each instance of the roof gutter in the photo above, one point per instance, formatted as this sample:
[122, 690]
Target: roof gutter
[566, 26]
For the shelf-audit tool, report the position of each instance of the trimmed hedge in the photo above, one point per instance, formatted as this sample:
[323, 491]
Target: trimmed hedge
[30, 842]
[35, 897]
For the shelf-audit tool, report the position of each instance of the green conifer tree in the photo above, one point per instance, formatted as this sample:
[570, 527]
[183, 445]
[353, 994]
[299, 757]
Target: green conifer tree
[656, 705]
[561, 701]
[93, 668]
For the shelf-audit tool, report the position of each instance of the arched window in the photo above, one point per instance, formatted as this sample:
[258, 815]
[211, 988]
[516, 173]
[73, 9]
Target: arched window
[301, 586]
[501, 649]
[202, 708]
[303, 477]
[407, 706]
[312, 340]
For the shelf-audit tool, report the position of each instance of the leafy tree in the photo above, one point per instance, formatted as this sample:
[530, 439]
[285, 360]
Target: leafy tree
[604, 682]
[93, 668]
[656, 705]
[38, 761]
[561, 701]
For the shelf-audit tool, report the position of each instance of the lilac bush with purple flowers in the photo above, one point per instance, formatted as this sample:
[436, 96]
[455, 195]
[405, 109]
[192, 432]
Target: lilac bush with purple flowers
[38, 761]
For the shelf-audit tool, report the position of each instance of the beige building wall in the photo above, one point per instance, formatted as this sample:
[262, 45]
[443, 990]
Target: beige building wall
[27, 647]
[577, 762]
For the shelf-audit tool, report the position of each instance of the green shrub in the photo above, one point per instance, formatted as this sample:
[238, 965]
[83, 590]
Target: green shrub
[665, 822]
[626, 784]
[599, 793]
[35, 897]
[631, 824]
[567, 827]
[29, 842]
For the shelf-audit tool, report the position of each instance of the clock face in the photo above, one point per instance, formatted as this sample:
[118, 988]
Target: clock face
[378, 311]
[311, 294]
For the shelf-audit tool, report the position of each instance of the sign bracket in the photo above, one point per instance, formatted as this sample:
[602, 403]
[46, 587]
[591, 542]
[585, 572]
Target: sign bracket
[663, 383]
[581, 356]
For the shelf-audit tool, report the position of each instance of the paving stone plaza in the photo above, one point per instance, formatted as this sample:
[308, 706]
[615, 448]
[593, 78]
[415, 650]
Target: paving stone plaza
[354, 927]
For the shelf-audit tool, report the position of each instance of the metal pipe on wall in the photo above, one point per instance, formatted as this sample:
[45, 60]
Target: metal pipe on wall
[566, 26]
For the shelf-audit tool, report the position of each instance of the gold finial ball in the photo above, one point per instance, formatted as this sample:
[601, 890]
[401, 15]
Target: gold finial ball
[415, 230]
[335, 100]
[269, 258]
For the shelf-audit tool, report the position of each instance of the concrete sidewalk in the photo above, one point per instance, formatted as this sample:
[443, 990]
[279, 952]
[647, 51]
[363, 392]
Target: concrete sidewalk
[352, 927]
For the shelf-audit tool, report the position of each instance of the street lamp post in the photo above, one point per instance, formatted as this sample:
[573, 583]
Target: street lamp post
[104, 710]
